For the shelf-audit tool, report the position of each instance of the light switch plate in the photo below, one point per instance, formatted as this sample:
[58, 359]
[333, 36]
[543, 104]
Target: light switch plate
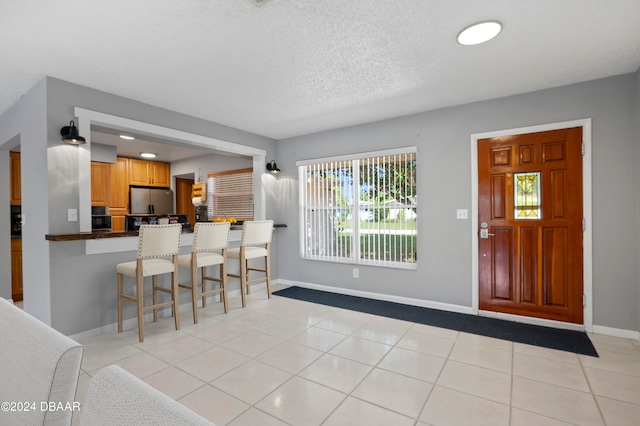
[462, 214]
[72, 215]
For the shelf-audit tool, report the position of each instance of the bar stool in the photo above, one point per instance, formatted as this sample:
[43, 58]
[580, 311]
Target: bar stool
[155, 244]
[210, 241]
[255, 243]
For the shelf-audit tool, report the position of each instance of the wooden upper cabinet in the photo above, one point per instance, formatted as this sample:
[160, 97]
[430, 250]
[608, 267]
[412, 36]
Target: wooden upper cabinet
[14, 166]
[100, 184]
[149, 173]
[160, 173]
[138, 172]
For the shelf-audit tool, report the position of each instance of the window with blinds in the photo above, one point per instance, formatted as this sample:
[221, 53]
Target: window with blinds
[361, 208]
[230, 194]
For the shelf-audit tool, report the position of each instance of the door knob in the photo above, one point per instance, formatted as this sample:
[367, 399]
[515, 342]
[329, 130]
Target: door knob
[484, 234]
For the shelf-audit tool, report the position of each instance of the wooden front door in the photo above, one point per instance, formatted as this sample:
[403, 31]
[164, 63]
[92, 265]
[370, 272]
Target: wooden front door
[530, 225]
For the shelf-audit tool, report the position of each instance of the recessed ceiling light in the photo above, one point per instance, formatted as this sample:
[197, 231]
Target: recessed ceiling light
[129, 138]
[147, 155]
[479, 33]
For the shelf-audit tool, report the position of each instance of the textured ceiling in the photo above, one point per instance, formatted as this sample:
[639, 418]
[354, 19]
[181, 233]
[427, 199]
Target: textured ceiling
[292, 67]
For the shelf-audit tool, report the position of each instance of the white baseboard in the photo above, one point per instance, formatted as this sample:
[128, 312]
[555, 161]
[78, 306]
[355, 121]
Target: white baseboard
[617, 332]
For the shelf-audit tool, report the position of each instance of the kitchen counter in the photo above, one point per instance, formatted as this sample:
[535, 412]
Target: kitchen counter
[104, 235]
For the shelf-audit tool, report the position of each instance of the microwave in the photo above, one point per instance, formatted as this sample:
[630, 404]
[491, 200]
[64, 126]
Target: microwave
[100, 223]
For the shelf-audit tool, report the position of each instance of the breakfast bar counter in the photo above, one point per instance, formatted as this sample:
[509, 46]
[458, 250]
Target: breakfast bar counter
[111, 242]
[103, 234]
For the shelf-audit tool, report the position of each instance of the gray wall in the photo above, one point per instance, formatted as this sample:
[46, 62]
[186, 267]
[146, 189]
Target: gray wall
[444, 243]
[206, 164]
[27, 120]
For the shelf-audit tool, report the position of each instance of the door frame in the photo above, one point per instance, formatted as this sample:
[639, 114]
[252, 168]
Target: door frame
[587, 214]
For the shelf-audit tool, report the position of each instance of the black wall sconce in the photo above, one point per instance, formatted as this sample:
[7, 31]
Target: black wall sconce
[70, 135]
[273, 167]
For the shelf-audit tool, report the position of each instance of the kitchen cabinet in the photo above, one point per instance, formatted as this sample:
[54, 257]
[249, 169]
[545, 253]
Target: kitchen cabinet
[149, 173]
[16, 269]
[100, 183]
[119, 206]
[14, 166]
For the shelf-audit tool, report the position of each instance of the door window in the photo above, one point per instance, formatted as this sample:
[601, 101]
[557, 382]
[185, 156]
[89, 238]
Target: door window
[527, 196]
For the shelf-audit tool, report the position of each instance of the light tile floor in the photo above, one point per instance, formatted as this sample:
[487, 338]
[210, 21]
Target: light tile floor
[284, 361]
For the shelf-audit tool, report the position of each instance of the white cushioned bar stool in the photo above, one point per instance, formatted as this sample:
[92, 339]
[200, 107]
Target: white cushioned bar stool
[210, 241]
[158, 248]
[255, 243]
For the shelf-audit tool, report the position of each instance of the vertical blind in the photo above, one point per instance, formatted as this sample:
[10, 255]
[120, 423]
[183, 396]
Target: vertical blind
[361, 210]
[230, 194]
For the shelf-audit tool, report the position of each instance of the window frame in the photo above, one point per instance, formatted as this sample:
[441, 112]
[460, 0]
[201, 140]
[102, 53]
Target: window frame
[211, 193]
[355, 209]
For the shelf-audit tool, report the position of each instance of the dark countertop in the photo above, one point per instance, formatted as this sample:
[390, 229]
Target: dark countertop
[101, 235]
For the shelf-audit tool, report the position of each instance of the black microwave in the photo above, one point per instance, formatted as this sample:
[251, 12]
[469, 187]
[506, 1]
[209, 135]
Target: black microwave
[100, 223]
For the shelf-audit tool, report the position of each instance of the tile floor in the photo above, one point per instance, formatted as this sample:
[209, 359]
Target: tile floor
[284, 361]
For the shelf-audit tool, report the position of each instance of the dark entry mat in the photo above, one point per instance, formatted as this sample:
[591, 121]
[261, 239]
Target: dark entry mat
[565, 340]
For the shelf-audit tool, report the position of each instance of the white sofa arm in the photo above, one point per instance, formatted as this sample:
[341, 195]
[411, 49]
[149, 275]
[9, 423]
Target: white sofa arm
[39, 370]
[116, 397]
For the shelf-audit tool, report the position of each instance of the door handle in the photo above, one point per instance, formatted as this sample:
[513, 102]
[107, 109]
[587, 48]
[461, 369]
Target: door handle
[484, 234]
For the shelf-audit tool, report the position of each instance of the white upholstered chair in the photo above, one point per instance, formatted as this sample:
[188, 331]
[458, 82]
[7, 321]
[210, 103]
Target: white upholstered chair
[255, 244]
[158, 248]
[210, 241]
[38, 365]
[116, 397]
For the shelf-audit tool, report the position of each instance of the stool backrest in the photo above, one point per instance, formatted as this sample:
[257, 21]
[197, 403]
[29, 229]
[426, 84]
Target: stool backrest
[210, 236]
[159, 240]
[257, 232]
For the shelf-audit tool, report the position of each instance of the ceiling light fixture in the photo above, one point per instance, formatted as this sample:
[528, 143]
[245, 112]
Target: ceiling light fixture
[479, 33]
[273, 167]
[70, 135]
[148, 155]
[129, 138]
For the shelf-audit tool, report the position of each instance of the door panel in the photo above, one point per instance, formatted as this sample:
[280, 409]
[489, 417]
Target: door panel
[498, 196]
[528, 264]
[530, 207]
[554, 241]
[502, 263]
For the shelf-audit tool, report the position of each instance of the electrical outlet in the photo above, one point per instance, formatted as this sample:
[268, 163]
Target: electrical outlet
[462, 214]
[72, 215]
[356, 273]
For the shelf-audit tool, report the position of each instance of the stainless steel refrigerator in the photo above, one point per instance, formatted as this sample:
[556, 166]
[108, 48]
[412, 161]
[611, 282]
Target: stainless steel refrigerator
[156, 201]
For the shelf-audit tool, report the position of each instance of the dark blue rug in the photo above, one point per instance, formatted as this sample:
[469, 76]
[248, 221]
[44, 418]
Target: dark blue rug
[554, 338]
